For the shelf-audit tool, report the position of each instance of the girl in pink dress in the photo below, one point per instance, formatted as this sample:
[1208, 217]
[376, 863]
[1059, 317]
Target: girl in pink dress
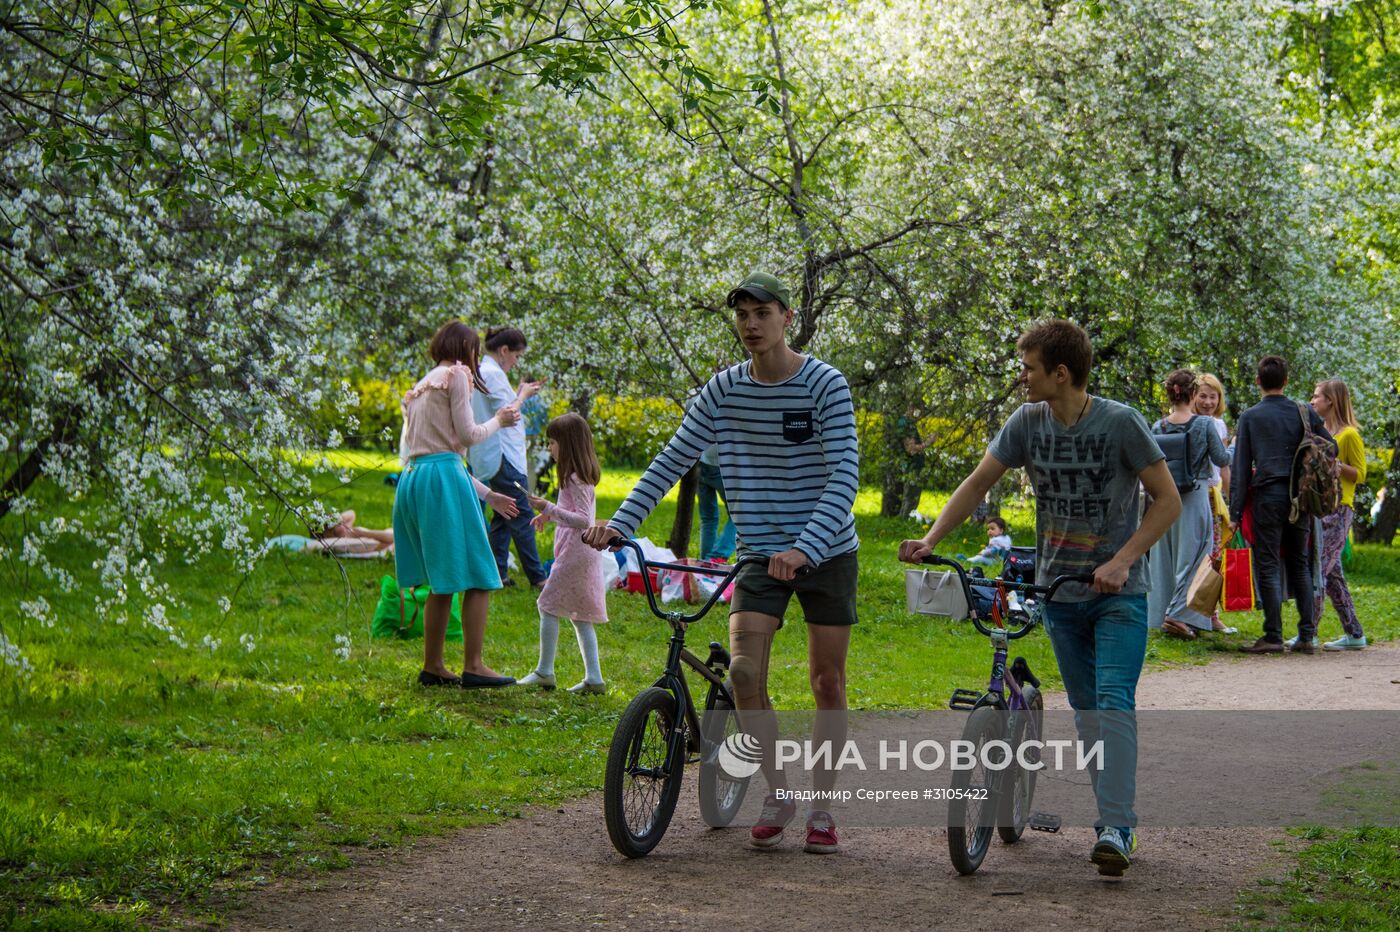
[574, 589]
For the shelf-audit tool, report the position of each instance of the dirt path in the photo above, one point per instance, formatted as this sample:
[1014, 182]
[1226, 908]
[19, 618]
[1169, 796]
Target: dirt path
[556, 868]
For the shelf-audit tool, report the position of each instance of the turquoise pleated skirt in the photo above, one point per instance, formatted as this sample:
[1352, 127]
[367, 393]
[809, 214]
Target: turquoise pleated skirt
[439, 532]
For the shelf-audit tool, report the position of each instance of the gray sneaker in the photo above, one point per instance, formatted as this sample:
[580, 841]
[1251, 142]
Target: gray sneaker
[586, 688]
[1112, 853]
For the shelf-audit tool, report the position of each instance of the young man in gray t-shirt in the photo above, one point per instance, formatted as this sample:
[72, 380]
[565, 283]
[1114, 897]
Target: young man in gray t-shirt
[1085, 456]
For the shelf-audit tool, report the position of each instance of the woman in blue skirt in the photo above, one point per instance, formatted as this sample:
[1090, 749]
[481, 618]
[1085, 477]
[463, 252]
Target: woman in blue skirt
[439, 532]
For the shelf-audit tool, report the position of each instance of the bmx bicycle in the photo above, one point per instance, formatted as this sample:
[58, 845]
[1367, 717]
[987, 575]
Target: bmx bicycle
[1010, 710]
[660, 731]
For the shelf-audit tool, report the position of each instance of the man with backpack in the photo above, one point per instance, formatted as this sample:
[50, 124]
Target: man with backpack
[1279, 461]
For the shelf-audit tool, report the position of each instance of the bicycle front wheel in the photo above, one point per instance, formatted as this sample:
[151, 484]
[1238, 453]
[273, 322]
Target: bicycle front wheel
[640, 788]
[973, 806]
[721, 794]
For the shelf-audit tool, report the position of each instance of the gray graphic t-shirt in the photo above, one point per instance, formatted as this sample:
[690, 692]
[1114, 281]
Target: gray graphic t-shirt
[1086, 487]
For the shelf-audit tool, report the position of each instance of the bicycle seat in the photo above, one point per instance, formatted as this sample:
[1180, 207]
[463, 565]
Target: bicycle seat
[718, 656]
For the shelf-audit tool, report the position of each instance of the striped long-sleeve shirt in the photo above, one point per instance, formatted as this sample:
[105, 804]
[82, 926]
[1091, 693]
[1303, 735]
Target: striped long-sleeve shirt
[787, 453]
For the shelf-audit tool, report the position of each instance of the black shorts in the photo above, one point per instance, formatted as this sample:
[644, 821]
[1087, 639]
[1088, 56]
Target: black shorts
[827, 593]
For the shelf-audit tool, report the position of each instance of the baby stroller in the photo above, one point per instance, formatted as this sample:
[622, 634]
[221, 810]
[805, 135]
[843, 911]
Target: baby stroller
[1018, 567]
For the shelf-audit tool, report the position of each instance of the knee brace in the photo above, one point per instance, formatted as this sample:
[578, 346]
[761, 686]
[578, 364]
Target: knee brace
[748, 667]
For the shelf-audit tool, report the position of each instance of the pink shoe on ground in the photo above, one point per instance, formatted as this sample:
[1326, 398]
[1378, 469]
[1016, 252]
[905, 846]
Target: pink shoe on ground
[768, 830]
[821, 833]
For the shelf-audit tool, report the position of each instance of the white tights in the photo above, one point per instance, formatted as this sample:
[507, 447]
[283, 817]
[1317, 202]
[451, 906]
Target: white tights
[587, 645]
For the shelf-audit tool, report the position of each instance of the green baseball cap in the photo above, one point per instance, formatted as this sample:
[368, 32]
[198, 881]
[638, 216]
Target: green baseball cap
[762, 287]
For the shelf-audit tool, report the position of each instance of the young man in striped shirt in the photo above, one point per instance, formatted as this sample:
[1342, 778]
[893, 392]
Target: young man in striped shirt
[784, 425]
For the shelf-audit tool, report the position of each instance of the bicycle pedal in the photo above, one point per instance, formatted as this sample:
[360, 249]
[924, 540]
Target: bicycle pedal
[964, 699]
[1045, 822]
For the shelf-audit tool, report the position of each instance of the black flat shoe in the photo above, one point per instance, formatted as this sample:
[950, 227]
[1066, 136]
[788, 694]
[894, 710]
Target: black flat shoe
[432, 679]
[472, 681]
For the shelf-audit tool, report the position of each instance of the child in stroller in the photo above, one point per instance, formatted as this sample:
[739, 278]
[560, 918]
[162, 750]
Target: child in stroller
[998, 545]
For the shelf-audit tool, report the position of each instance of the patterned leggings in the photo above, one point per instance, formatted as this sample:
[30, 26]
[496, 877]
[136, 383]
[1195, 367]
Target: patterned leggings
[1334, 537]
[1215, 547]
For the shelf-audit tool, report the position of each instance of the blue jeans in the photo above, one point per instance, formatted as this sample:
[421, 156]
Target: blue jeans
[1100, 646]
[715, 541]
[503, 530]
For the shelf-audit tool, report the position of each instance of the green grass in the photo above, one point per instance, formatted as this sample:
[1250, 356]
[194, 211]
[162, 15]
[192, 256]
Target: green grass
[141, 777]
[1343, 880]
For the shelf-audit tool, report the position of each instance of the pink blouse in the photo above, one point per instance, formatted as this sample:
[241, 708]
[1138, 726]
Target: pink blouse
[437, 417]
[574, 588]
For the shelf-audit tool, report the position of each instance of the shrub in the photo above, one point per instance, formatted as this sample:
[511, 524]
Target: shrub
[630, 431]
[373, 419]
[952, 456]
[380, 417]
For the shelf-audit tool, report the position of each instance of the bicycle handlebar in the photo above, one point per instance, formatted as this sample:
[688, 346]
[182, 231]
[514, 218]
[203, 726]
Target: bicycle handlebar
[644, 564]
[1031, 618]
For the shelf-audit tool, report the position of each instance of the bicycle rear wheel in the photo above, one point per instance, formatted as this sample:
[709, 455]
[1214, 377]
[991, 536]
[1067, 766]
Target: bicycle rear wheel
[973, 806]
[721, 795]
[1016, 802]
[639, 788]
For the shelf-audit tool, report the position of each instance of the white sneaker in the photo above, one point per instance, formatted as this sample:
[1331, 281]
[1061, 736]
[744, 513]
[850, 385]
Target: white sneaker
[1346, 642]
[1293, 642]
[586, 688]
[536, 678]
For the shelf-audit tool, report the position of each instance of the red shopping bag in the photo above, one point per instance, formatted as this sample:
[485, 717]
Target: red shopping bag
[1237, 566]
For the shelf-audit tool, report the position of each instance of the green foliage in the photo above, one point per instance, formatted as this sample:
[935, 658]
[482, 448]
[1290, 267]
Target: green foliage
[934, 175]
[379, 411]
[378, 415]
[951, 457]
[204, 101]
[628, 432]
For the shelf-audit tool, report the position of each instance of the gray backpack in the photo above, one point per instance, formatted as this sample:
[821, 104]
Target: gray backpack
[1181, 455]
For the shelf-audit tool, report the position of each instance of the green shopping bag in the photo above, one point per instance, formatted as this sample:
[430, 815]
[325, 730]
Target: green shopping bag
[399, 613]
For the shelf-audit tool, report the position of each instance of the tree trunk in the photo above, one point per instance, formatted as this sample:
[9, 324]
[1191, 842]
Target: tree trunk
[22, 478]
[29, 469]
[679, 541]
[891, 467]
[891, 494]
[995, 498]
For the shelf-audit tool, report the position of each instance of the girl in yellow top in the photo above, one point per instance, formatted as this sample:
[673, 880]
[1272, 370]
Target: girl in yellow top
[1332, 402]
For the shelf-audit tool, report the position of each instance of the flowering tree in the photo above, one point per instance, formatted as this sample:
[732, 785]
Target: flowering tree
[216, 216]
[203, 225]
[933, 176]
[1341, 60]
